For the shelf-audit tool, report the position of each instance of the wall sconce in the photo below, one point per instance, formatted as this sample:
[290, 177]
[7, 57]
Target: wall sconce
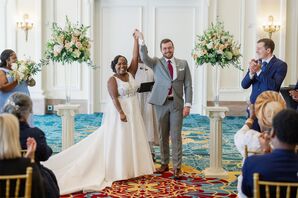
[270, 27]
[25, 25]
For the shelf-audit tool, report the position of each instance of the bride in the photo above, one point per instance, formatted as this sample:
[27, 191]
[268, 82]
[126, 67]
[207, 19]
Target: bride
[118, 150]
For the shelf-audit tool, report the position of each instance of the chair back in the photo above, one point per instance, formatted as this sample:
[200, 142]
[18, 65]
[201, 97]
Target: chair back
[246, 152]
[281, 188]
[10, 180]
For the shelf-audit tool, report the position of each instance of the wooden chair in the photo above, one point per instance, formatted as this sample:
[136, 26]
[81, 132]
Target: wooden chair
[23, 153]
[287, 185]
[246, 152]
[28, 183]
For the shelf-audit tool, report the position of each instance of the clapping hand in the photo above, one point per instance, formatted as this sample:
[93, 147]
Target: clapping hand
[31, 148]
[254, 66]
[294, 94]
[265, 139]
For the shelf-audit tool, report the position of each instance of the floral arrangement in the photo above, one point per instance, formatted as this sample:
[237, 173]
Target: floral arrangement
[23, 70]
[217, 46]
[69, 45]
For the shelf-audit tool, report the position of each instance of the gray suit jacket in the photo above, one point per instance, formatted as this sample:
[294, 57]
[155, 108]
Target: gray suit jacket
[163, 81]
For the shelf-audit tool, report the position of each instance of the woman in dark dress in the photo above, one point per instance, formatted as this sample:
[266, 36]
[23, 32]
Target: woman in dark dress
[11, 162]
[20, 105]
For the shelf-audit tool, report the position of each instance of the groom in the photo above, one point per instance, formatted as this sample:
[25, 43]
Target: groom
[172, 77]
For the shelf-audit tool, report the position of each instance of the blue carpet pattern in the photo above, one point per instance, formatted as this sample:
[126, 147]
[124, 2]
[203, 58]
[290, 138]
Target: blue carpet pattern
[195, 137]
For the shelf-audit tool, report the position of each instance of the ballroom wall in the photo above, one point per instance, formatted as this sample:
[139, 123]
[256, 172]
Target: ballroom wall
[112, 22]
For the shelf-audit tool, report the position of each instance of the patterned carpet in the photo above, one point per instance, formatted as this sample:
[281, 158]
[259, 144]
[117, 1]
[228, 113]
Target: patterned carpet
[195, 159]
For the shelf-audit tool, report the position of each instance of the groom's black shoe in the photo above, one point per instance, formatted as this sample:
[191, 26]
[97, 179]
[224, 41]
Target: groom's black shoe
[163, 168]
[153, 157]
[177, 173]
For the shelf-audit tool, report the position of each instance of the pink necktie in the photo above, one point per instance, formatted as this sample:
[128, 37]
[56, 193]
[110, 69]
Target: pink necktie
[170, 67]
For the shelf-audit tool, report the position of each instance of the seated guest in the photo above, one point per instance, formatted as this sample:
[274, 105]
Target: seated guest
[294, 94]
[267, 105]
[11, 162]
[282, 163]
[20, 105]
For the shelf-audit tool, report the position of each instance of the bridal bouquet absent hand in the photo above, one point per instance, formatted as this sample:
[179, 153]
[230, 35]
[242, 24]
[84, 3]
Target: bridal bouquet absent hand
[217, 47]
[69, 44]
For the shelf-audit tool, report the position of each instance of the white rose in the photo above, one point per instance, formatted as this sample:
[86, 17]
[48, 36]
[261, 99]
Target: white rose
[219, 51]
[58, 48]
[21, 76]
[22, 69]
[77, 53]
[14, 66]
[210, 45]
[236, 52]
[77, 33]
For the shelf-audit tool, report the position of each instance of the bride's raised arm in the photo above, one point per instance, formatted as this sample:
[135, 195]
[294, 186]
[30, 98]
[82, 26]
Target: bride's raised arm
[133, 67]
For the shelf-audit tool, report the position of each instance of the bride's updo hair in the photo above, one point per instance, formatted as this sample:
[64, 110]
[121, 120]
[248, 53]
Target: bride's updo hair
[18, 104]
[5, 55]
[115, 61]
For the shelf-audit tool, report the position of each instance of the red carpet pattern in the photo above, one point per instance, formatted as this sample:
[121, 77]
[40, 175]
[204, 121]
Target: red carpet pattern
[189, 185]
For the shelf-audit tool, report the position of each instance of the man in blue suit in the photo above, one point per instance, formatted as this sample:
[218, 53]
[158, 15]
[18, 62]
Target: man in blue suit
[282, 164]
[266, 73]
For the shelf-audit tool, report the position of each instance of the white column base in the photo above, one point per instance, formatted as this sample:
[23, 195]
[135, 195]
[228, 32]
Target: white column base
[216, 173]
[216, 115]
[67, 113]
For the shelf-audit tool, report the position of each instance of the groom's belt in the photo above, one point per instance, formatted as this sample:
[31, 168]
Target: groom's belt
[170, 98]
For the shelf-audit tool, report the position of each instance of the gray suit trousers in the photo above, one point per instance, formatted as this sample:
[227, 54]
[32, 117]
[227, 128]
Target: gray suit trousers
[170, 119]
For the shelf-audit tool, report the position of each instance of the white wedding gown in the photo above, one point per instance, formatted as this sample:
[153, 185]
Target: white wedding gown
[115, 151]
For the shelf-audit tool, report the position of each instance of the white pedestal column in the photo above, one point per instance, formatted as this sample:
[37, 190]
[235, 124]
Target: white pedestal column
[216, 115]
[67, 113]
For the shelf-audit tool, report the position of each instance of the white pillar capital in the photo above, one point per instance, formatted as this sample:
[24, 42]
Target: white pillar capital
[217, 112]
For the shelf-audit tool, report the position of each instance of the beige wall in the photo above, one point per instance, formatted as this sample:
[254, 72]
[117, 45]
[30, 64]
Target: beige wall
[243, 18]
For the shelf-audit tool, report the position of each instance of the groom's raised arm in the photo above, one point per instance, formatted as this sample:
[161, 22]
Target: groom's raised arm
[150, 62]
